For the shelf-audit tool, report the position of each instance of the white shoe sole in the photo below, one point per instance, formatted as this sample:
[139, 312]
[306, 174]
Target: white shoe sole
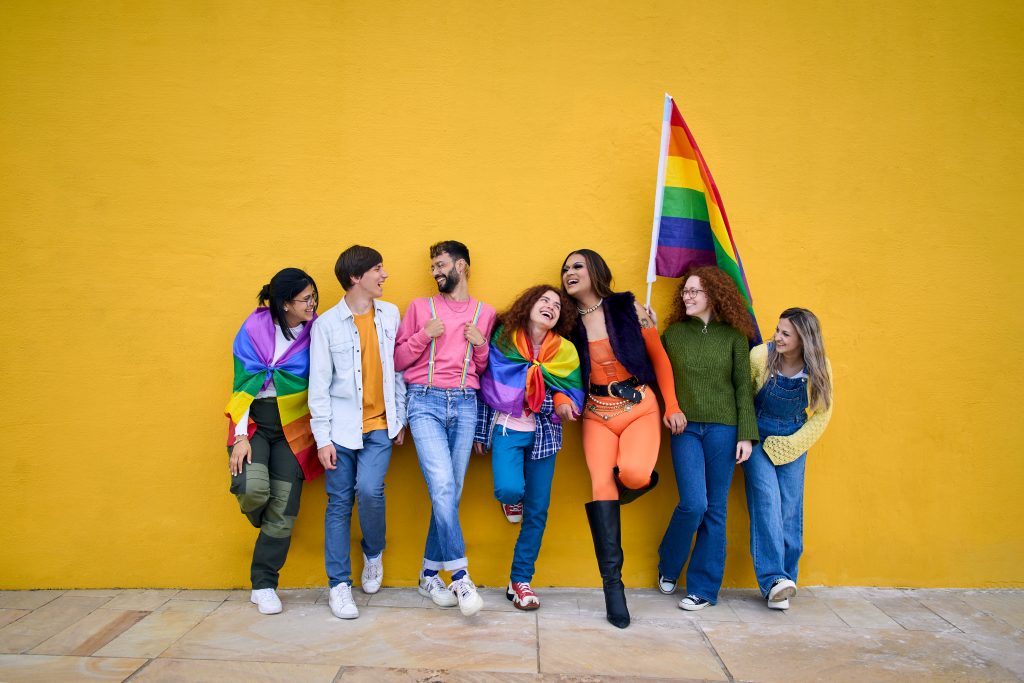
[269, 609]
[781, 592]
[346, 615]
[370, 589]
[693, 608]
[778, 604]
[446, 599]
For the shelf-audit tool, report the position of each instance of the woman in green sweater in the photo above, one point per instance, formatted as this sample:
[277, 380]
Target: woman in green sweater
[707, 343]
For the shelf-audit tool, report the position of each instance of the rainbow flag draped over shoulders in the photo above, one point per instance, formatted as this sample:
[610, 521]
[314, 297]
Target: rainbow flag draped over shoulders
[690, 224]
[255, 369]
[515, 378]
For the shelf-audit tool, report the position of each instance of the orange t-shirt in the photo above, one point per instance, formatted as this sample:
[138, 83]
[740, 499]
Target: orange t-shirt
[374, 416]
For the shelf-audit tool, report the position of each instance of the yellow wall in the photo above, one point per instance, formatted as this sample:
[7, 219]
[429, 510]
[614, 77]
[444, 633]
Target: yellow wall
[160, 160]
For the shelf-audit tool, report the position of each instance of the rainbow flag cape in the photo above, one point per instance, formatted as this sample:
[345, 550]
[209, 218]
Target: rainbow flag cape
[255, 369]
[514, 377]
[690, 224]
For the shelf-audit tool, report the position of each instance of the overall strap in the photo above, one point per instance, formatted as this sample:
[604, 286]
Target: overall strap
[469, 347]
[433, 345]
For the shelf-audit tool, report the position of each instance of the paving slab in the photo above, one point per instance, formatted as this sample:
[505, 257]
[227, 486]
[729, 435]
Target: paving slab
[411, 637]
[49, 669]
[766, 653]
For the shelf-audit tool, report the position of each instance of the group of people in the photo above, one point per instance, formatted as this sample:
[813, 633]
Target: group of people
[332, 394]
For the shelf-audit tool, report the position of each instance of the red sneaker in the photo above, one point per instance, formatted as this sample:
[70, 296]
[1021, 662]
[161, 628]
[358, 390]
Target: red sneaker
[513, 513]
[522, 596]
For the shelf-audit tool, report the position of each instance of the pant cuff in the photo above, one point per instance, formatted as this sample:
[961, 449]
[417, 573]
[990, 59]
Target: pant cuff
[431, 564]
[455, 565]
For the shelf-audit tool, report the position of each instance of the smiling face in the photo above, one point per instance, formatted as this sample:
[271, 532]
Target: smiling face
[787, 339]
[445, 272]
[301, 307]
[576, 276]
[695, 299]
[546, 310]
[372, 281]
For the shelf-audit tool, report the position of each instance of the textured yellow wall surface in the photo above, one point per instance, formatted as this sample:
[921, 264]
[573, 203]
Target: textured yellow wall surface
[159, 161]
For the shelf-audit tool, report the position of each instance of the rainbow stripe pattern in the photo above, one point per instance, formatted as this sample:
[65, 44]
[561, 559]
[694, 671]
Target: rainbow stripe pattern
[515, 378]
[255, 369]
[690, 223]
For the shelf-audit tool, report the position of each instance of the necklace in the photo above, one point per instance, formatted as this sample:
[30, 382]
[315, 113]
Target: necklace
[452, 308]
[585, 311]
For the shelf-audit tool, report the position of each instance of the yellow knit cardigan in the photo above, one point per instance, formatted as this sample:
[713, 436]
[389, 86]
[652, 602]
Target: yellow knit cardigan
[784, 449]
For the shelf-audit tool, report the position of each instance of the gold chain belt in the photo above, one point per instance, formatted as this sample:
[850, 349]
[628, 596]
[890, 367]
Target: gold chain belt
[606, 410]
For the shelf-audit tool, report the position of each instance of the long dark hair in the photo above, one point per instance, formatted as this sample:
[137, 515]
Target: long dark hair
[517, 316]
[281, 288]
[600, 273]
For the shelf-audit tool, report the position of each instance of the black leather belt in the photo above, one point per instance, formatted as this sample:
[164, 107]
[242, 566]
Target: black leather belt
[625, 389]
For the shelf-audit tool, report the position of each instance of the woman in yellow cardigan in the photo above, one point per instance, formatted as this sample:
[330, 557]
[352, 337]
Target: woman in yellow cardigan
[793, 403]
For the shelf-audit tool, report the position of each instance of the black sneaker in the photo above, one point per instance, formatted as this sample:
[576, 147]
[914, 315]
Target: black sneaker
[692, 603]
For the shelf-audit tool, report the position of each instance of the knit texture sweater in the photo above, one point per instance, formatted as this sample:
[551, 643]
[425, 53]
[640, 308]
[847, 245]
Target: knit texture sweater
[783, 449]
[712, 374]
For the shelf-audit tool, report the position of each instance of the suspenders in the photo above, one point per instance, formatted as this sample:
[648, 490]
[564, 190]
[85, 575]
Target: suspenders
[433, 346]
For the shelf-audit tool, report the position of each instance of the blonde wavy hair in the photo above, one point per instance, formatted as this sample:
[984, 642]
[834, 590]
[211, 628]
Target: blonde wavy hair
[809, 329]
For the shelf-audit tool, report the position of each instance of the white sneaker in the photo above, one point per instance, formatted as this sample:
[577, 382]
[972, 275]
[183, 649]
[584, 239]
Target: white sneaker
[342, 604]
[666, 586]
[266, 601]
[373, 573]
[433, 587]
[692, 603]
[470, 601]
[778, 604]
[782, 589]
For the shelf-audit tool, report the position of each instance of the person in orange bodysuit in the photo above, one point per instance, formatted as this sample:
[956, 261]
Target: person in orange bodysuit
[621, 356]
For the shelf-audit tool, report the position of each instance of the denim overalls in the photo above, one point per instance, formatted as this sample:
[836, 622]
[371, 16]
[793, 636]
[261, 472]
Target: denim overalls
[775, 494]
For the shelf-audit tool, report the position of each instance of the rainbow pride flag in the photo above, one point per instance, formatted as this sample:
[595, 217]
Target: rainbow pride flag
[515, 377]
[255, 369]
[690, 224]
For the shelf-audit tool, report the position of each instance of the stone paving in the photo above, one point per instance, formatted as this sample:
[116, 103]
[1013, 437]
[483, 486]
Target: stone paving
[829, 634]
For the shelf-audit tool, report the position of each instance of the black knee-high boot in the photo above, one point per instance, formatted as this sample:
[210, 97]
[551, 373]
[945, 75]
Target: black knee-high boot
[628, 495]
[603, 516]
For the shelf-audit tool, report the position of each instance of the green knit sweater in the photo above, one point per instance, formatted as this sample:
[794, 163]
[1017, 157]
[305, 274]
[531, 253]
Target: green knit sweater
[712, 374]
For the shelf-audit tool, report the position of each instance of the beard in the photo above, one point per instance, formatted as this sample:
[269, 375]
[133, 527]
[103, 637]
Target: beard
[449, 283]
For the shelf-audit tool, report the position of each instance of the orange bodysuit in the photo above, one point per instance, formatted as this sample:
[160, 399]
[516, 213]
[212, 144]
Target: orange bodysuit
[629, 439]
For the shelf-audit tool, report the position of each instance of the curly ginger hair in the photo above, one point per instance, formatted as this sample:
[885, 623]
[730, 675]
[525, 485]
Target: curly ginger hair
[724, 299]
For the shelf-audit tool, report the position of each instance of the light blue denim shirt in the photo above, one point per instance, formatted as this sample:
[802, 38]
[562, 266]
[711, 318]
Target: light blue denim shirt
[335, 375]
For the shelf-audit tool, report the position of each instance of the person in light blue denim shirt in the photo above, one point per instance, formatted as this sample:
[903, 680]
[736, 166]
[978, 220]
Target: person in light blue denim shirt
[357, 409]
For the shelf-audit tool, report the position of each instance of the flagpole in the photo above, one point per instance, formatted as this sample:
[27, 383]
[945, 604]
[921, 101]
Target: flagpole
[659, 195]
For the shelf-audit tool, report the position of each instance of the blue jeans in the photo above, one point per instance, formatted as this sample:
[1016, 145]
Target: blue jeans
[517, 478]
[775, 500]
[359, 475]
[442, 422]
[704, 458]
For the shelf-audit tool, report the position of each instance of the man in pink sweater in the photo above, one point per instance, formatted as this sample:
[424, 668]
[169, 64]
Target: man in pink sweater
[442, 348]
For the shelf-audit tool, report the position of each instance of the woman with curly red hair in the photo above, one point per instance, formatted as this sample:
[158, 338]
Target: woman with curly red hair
[707, 343]
[531, 386]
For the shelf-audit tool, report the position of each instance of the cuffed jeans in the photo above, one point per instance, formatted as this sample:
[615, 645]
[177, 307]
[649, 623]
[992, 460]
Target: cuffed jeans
[442, 422]
[704, 457]
[517, 478]
[359, 476]
[775, 501]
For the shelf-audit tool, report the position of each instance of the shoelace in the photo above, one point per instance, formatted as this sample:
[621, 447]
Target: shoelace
[465, 587]
[694, 599]
[434, 583]
[344, 592]
[524, 590]
[374, 570]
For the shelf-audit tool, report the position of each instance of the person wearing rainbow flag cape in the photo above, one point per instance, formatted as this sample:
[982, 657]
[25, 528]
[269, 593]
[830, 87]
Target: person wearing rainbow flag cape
[442, 349]
[532, 384]
[271, 445]
[357, 403]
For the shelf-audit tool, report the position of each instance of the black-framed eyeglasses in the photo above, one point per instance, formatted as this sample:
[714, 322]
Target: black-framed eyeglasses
[307, 301]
